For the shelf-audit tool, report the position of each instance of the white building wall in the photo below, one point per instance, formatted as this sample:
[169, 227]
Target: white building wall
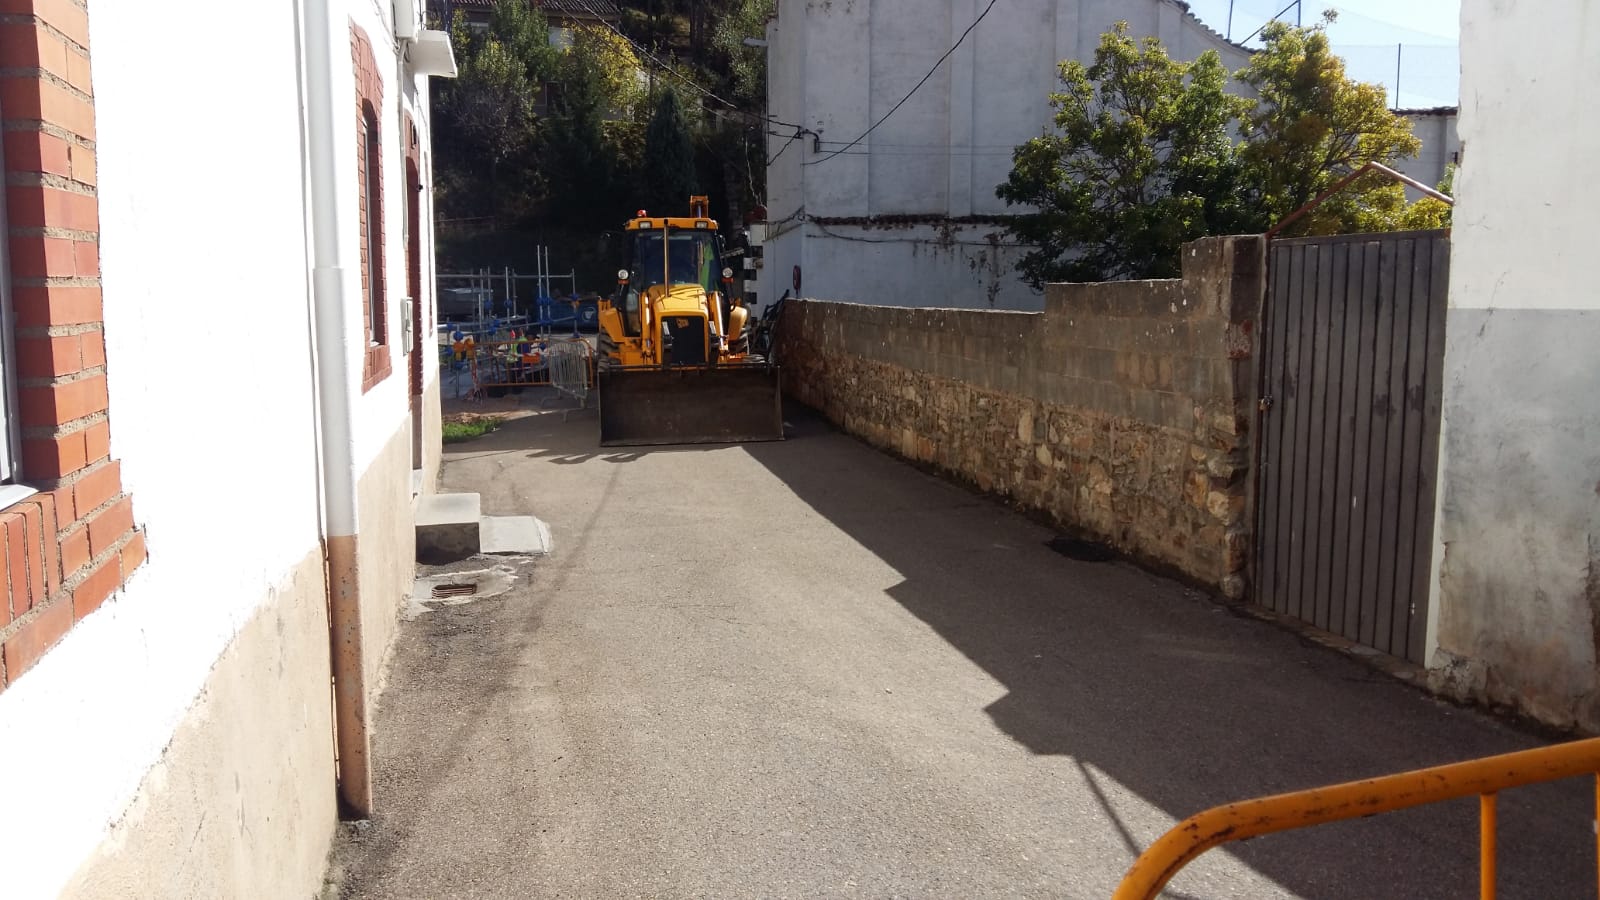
[204, 257]
[1001, 115]
[384, 409]
[786, 80]
[836, 105]
[1518, 595]
[1441, 146]
[908, 156]
[383, 425]
[947, 148]
[837, 67]
[961, 265]
[431, 427]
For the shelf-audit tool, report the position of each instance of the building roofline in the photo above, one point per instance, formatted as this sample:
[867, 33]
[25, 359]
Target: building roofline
[1221, 38]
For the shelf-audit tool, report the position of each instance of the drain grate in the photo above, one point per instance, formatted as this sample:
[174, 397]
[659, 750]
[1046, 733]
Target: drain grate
[1083, 551]
[441, 591]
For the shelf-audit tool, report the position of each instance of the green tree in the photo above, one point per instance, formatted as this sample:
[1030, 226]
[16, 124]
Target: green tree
[1311, 125]
[747, 66]
[668, 166]
[1139, 162]
[610, 59]
[485, 133]
[542, 144]
[583, 164]
[525, 33]
[1428, 212]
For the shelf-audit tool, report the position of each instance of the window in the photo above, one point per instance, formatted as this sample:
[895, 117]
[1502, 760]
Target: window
[369, 178]
[372, 232]
[554, 99]
[374, 291]
[10, 449]
[691, 258]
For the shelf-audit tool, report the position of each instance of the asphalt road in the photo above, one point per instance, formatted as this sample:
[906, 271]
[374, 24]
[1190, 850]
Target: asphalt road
[808, 670]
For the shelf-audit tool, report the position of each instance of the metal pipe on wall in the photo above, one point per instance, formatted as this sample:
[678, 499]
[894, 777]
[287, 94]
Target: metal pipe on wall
[336, 442]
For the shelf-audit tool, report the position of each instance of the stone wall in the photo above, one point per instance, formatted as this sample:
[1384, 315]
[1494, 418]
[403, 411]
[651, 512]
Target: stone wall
[1121, 412]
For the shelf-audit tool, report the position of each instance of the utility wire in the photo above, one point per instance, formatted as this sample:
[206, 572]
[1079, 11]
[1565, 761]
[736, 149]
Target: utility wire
[878, 145]
[652, 57]
[947, 55]
[791, 140]
[1294, 5]
[669, 69]
[638, 48]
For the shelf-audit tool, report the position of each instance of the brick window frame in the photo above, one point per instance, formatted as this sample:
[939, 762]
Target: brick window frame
[69, 547]
[376, 364]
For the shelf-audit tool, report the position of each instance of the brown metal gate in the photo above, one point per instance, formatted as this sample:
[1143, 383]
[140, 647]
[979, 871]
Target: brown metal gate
[1353, 351]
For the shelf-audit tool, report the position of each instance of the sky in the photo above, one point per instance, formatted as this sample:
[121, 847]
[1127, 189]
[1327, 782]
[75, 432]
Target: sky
[1367, 34]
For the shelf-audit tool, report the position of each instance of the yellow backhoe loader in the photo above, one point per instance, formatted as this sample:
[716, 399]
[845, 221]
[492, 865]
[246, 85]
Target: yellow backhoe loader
[674, 365]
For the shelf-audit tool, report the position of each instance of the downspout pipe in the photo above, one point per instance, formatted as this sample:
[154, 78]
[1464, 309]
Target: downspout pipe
[335, 393]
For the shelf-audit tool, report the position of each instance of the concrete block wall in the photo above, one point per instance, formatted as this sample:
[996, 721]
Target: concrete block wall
[1121, 412]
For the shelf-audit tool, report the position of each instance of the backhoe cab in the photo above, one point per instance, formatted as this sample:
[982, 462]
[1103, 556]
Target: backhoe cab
[674, 360]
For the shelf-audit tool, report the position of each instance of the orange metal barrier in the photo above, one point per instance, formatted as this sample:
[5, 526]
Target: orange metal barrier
[1252, 818]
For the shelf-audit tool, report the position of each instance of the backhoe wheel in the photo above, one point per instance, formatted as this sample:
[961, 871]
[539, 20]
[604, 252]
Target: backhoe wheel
[606, 350]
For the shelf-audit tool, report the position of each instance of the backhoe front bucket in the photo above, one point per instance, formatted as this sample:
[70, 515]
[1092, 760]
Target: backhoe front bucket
[723, 405]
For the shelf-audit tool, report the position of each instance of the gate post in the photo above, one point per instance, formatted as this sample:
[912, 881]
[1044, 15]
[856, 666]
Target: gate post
[1246, 307]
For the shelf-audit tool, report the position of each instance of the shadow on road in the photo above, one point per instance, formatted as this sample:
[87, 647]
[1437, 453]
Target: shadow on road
[1174, 698]
[1150, 688]
[544, 435]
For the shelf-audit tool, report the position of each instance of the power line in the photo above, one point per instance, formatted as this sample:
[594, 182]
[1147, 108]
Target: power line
[797, 215]
[884, 154]
[791, 140]
[646, 54]
[669, 69]
[652, 57]
[879, 145]
[947, 55]
[1294, 4]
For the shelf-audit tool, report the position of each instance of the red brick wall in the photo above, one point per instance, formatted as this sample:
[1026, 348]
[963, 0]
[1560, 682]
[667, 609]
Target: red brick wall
[369, 109]
[71, 546]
